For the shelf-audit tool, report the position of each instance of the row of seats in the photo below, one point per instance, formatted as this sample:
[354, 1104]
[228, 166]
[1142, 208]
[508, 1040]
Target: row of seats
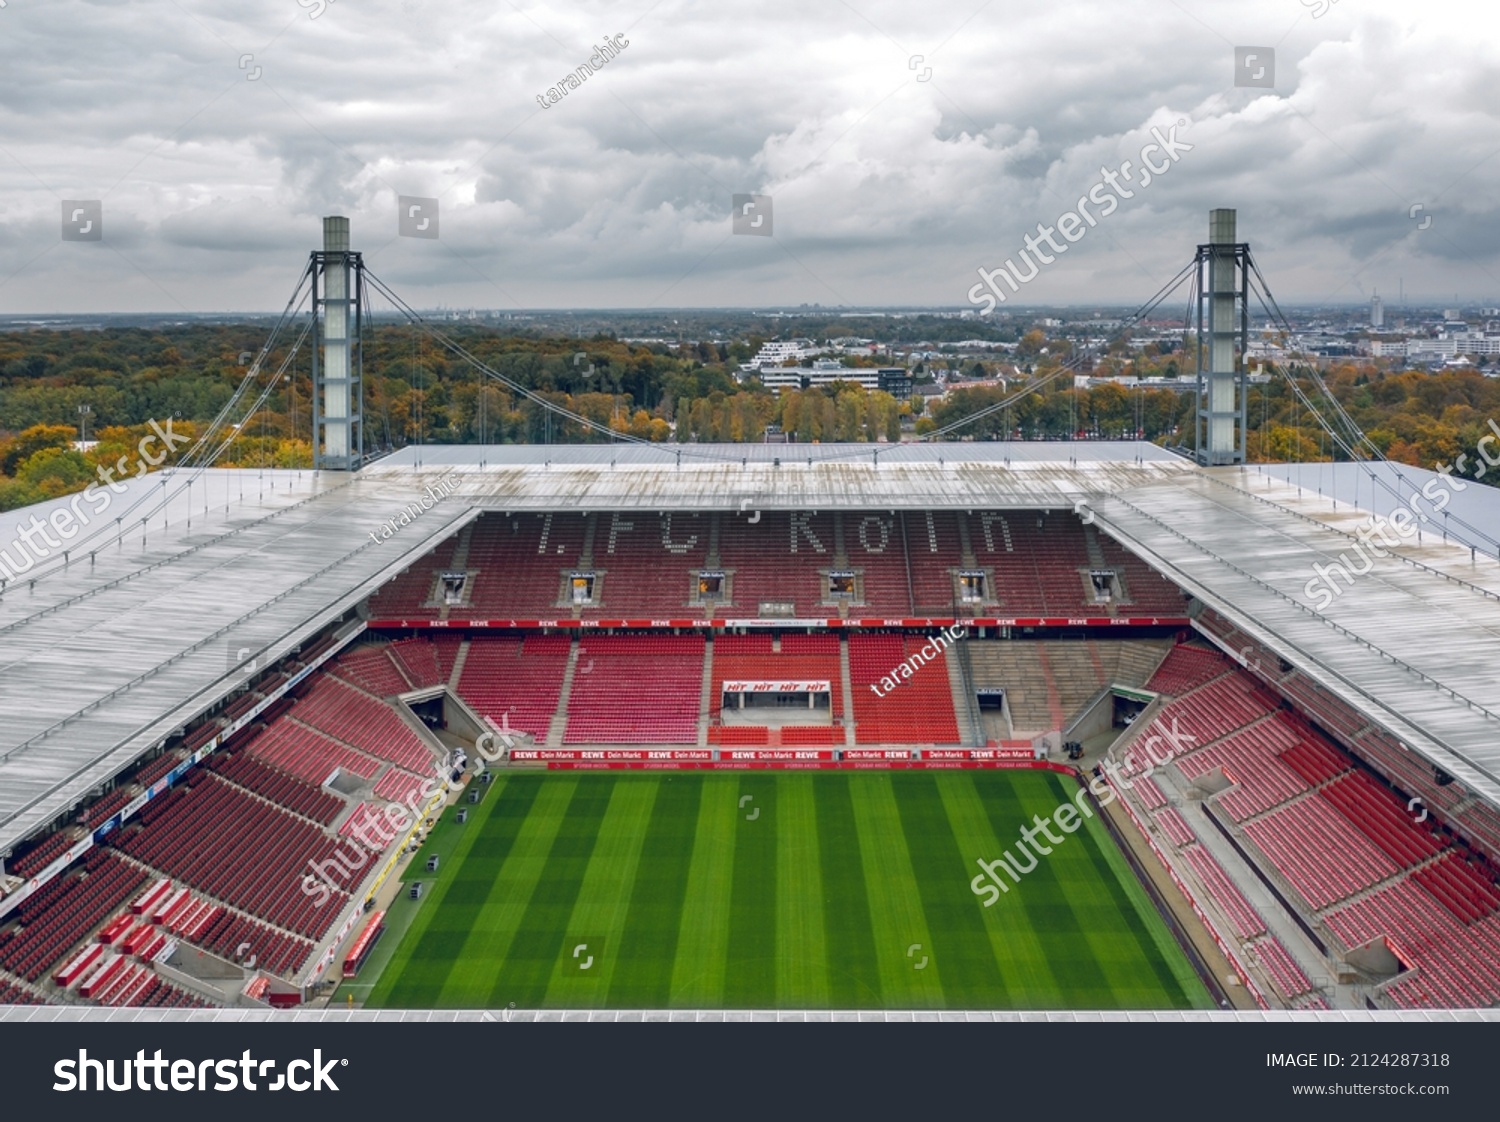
[235, 847]
[372, 670]
[1314, 761]
[409, 593]
[1457, 965]
[1249, 759]
[1317, 851]
[13, 994]
[517, 683]
[647, 562]
[309, 755]
[1175, 826]
[63, 912]
[1225, 893]
[275, 952]
[307, 799]
[1286, 975]
[1469, 894]
[1185, 668]
[1381, 817]
[916, 710]
[751, 658]
[398, 786]
[41, 855]
[362, 722]
[639, 689]
[427, 662]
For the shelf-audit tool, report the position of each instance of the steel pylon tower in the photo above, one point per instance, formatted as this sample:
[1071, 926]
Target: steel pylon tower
[338, 287]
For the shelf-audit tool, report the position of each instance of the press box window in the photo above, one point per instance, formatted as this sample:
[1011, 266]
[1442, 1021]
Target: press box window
[841, 584]
[971, 588]
[581, 586]
[710, 586]
[1105, 586]
[453, 587]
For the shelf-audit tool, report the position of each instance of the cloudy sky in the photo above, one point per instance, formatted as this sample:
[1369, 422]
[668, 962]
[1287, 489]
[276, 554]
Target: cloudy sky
[904, 146]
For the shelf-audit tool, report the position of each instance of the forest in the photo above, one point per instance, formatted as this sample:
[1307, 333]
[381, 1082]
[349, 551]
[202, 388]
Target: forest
[109, 386]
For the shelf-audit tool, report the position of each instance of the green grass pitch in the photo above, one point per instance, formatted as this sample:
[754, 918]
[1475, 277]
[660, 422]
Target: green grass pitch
[786, 890]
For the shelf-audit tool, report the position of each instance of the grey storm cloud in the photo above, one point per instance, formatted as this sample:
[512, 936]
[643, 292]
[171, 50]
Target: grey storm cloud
[904, 146]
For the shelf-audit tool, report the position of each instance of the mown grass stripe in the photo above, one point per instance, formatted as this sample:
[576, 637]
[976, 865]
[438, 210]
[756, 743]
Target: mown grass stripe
[703, 933]
[598, 918]
[897, 920]
[853, 972]
[536, 946]
[433, 944]
[647, 947]
[960, 941]
[801, 940]
[1021, 953]
[1115, 890]
[1134, 973]
[750, 969]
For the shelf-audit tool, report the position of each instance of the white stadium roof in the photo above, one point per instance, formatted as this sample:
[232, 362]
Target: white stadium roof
[106, 657]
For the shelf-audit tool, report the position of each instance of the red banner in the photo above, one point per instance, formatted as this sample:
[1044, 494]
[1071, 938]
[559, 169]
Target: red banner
[774, 754]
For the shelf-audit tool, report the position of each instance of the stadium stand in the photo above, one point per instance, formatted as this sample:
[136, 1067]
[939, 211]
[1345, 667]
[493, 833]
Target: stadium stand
[648, 563]
[776, 560]
[308, 754]
[372, 669]
[1225, 893]
[519, 562]
[359, 720]
[422, 661]
[919, 710]
[516, 682]
[802, 657]
[1285, 974]
[620, 667]
[64, 912]
[935, 549]
[412, 594]
[277, 786]
[236, 847]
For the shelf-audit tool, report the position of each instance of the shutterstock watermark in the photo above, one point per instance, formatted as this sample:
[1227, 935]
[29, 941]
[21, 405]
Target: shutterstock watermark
[343, 869]
[1074, 224]
[1399, 527]
[990, 885]
[33, 543]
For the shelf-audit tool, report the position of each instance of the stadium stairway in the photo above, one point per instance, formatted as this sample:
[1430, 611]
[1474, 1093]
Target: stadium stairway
[706, 696]
[458, 667]
[559, 725]
[846, 683]
[965, 705]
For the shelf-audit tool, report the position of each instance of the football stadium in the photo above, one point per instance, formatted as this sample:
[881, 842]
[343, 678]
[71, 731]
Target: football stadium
[938, 725]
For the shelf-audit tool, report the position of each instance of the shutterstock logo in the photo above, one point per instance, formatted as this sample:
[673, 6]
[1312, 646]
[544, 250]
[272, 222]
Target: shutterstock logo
[158, 1074]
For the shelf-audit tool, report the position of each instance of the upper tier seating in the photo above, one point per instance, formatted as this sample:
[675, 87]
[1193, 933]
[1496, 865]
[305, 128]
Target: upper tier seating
[362, 722]
[647, 561]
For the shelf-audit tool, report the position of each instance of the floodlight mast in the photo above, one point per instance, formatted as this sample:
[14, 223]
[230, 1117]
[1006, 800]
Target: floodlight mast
[337, 364]
[1223, 330]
